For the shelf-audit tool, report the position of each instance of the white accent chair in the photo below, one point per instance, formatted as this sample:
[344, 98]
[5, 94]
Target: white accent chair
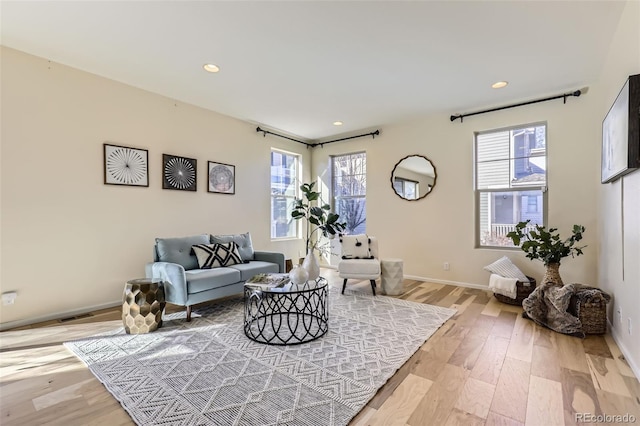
[360, 259]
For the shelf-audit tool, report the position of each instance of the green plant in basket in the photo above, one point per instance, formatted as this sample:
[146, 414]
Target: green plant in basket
[547, 246]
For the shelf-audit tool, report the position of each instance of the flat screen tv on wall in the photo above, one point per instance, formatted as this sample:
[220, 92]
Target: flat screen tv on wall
[621, 133]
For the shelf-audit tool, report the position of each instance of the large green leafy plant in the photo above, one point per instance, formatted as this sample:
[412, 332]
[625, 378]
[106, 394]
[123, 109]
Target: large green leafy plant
[546, 245]
[317, 213]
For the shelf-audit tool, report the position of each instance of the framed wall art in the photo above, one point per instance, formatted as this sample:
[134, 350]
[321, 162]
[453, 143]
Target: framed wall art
[125, 166]
[621, 133]
[179, 173]
[222, 178]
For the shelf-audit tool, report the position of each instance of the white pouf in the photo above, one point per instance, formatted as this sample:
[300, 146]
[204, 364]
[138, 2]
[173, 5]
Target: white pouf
[392, 276]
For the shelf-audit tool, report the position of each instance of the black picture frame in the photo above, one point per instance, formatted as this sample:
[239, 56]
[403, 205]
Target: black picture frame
[179, 173]
[221, 178]
[621, 133]
[125, 165]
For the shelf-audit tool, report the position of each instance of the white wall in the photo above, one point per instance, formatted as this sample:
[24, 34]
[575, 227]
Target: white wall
[69, 242]
[619, 202]
[440, 227]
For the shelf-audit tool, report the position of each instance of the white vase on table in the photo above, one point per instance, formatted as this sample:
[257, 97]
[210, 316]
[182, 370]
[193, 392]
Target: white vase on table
[298, 275]
[312, 265]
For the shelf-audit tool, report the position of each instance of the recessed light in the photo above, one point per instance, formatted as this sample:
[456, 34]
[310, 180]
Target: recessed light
[499, 84]
[338, 123]
[211, 68]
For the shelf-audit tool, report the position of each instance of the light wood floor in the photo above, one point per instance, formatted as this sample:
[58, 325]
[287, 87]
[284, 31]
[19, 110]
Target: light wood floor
[485, 366]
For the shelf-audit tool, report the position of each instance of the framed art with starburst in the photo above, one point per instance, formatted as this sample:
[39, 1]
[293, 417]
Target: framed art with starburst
[179, 173]
[125, 166]
[222, 178]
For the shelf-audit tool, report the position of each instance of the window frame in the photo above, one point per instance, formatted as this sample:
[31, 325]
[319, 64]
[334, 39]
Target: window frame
[296, 178]
[515, 188]
[334, 198]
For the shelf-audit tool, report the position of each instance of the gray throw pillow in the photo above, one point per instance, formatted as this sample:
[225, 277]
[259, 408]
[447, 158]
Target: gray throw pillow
[243, 241]
[178, 250]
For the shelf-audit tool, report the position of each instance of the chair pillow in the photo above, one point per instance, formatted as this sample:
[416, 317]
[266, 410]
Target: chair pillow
[216, 255]
[178, 250]
[243, 241]
[356, 246]
[505, 268]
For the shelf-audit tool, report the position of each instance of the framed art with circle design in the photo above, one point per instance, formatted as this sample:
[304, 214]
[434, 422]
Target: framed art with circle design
[125, 166]
[222, 178]
[179, 173]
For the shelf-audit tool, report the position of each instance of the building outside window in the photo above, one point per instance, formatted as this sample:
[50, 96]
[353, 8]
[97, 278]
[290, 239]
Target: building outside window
[510, 181]
[349, 174]
[284, 190]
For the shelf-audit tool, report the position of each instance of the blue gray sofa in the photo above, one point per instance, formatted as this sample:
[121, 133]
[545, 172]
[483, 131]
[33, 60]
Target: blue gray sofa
[185, 284]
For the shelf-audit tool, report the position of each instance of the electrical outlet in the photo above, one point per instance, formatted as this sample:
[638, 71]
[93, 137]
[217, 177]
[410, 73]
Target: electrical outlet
[445, 266]
[9, 297]
[620, 315]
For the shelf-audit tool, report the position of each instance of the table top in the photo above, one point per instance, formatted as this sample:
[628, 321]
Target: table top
[138, 281]
[286, 286]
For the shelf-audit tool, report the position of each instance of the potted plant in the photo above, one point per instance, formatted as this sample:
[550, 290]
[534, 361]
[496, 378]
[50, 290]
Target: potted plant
[546, 246]
[320, 222]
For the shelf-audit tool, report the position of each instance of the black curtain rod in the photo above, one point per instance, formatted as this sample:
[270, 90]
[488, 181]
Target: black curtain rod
[372, 134]
[266, 132]
[563, 96]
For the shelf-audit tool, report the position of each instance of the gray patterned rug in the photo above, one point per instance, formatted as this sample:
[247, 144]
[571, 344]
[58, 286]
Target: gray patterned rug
[207, 372]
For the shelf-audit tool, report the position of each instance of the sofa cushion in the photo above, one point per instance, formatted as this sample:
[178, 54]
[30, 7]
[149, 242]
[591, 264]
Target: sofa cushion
[205, 279]
[355, 246]
[217, 255]
[178, 250]
[255, 267]
[359, 268]
[245, 247]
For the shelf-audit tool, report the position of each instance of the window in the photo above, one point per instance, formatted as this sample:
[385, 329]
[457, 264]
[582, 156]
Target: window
[406, 188]
[510, 181]
[349, 190]
[284, 189]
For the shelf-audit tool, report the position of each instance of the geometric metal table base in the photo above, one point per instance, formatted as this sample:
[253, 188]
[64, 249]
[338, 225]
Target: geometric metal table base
[287, 315]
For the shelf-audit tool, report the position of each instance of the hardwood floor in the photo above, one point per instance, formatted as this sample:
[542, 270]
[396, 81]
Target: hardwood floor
[485, 366]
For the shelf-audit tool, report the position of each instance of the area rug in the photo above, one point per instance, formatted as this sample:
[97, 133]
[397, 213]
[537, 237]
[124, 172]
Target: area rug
[207, 372]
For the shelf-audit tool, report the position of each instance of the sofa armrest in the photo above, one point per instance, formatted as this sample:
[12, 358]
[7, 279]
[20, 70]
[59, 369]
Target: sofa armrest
[175, 280]
[269, 256]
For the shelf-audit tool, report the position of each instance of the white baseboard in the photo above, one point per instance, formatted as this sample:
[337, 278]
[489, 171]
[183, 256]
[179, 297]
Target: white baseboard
[58, 315]
[448, 282]
[626, 352]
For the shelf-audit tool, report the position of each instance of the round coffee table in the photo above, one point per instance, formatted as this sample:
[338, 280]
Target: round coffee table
[142, 305]
[287, 315]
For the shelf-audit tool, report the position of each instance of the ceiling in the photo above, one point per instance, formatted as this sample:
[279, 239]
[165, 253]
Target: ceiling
[299, 66]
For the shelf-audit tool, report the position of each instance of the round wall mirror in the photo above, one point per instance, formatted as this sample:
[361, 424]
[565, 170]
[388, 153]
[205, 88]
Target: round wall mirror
[413, 177]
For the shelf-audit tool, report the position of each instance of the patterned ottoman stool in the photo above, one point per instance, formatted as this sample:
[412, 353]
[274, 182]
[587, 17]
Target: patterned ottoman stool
[392, 276]
[142, 305]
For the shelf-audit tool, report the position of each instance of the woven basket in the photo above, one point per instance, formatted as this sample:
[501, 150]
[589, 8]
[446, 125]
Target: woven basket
[523, 291]
[591, 311]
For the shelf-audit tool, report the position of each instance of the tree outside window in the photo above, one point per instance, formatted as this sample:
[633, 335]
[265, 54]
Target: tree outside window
[349, 190]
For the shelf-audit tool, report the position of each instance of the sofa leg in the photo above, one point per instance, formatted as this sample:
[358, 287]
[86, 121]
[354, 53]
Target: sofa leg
[344, 285]
[373, 286]
[188, 313]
